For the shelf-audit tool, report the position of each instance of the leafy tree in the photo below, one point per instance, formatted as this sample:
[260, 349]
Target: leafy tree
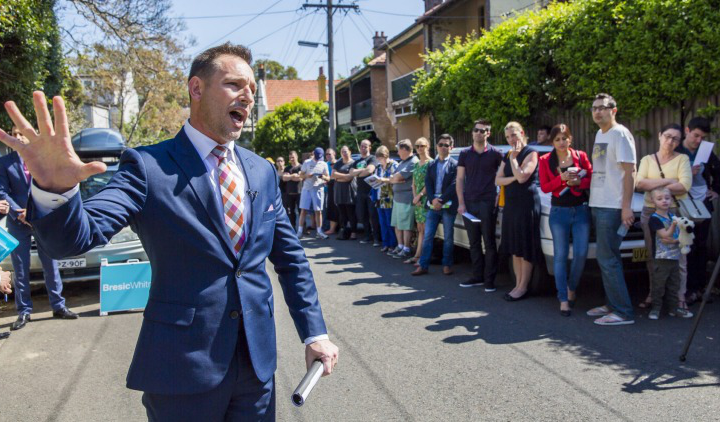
[299, 125]
[275, 70]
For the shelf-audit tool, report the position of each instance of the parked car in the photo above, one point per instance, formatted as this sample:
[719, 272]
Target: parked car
[104, 145]
[632, 248]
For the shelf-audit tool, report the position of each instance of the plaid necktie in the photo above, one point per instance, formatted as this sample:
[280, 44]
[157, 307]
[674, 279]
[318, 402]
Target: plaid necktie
[232, 202]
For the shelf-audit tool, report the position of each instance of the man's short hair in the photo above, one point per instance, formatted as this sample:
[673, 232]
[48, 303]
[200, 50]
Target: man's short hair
[484, 122]
[610, 100]
[546, 128]
[446, 136]
[204, 64]
[699, 123]
[292, 152]
[405, 143]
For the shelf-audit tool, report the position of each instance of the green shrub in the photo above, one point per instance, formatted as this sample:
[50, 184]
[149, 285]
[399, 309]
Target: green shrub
[299, 125]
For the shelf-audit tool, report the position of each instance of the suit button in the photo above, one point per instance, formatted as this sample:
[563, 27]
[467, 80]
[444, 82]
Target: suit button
[234, 315]
[238, 274]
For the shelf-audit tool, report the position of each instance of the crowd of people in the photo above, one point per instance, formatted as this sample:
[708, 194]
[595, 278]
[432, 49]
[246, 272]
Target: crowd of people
[401, 203]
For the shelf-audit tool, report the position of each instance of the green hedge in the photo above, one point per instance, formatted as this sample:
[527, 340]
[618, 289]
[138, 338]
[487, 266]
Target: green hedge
[298, 125]
[646, 53]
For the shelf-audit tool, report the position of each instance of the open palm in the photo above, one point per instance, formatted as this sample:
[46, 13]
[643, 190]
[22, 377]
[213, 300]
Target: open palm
[48, 154]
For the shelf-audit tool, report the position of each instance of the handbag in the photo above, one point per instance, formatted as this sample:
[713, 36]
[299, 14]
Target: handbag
[692, 209]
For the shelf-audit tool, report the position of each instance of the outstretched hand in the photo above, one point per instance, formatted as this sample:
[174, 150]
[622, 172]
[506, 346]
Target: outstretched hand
[48, 154]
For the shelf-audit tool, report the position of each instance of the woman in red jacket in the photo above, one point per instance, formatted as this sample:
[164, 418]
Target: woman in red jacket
[567, 173]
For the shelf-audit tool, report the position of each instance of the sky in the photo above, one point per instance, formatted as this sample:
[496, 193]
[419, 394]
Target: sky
[272, 28]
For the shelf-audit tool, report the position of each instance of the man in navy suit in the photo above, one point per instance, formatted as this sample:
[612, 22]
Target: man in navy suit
[440, 187]
[15, 183]
[209, 214]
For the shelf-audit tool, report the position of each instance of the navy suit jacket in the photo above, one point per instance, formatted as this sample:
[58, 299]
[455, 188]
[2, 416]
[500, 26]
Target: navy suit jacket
[448, 192]
[14, 188]
[190, 326]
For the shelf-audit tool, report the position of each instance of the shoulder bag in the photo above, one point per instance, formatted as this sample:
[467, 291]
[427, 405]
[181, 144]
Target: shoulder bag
[692, 209]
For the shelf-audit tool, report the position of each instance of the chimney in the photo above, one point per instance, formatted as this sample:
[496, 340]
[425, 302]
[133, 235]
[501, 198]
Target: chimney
[322, 86]
[378, 42]
[429, 4]
[261, 71]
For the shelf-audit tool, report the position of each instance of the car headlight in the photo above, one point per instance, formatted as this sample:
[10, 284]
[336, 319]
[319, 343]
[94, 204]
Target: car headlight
[124, 236]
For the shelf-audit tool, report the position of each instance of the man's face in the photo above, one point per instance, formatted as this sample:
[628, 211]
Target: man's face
[602, 113]
[293, 158]
[542, 136]
[693, 138]
[345, 152]
[15, 133]
[330, 155]
[365, 148]
[280, 162]
[227, 98]
[443, 147]
[480, 133]
[404, 152]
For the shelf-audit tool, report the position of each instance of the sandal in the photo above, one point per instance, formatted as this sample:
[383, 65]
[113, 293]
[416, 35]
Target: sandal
[647, 303]
[412, 260]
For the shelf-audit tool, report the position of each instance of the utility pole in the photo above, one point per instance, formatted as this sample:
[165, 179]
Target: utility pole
[329, 8]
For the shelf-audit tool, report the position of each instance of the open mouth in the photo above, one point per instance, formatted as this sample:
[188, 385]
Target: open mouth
[237, 117]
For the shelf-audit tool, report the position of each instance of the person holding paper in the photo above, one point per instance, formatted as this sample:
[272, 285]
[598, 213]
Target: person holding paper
[705, 187]
[439, 184]
[566, 174]
[477, 195]
[669, 169]
[15, 181]
[209, 215]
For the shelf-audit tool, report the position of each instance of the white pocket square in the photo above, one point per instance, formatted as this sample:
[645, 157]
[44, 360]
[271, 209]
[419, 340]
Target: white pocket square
[271, 208]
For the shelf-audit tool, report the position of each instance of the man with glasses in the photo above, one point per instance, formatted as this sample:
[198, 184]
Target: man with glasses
[440, 183]
[364, 207]
[477, 195]
[611, 192]
[403, 212]
[705, 187]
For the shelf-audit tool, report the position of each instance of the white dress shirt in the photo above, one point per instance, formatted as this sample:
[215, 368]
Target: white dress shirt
[47, 201]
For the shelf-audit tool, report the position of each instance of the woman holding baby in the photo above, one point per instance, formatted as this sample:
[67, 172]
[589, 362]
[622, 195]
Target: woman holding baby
[566, 173]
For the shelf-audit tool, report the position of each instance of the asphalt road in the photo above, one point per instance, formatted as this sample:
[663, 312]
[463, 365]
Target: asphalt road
[411, 349]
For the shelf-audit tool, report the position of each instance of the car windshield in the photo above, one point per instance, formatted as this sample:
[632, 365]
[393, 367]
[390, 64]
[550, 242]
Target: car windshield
[93, 184]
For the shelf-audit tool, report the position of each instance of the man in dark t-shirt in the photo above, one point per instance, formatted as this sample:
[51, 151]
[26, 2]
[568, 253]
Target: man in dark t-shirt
[477, 193]
[364, 207]
[292, 179]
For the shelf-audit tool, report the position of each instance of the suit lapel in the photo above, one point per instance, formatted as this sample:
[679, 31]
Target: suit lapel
[18, 167]
[186, 157]
[246, 165]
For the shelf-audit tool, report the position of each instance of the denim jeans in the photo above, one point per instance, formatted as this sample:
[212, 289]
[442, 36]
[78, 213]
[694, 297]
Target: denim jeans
[607, 221]
[563, 222]
[431, 224]
[388, 233]
[484, 264]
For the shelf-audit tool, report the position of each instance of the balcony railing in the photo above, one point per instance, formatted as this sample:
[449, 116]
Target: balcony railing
[402, 87]
[344, 116]
[362, 110]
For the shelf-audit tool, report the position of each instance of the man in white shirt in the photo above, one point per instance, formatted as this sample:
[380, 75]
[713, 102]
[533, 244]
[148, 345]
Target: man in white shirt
[315, 175]
[611, 192]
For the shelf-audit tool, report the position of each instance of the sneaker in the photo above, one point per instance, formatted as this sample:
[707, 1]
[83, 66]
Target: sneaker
[613, 319]
[376, 244]
[364, 241]
[654, 315]
[680, 312]
[299, 234]
[599, 311]
[406, 253]
[472, 283]
[384, 249]
[321, 235]
[395, 251]
[490, 287]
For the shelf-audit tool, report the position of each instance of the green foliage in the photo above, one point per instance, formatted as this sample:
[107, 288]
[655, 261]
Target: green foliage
[646, 53]
[345, 137]
[299, 125]
[31, 54]
[275, 70]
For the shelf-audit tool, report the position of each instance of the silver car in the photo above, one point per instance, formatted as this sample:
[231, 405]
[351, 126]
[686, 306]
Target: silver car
[92, 145]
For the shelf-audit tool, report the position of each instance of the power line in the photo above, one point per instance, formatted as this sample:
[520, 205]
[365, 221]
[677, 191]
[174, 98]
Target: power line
[288, 43]
[240, 26]
[279, 12]
[276, 31]
[380, 12]
[307, 33]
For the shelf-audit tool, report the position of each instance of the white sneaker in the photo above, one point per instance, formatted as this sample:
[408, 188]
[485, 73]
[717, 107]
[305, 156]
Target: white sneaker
[654, 315]
[680, 312]
[321, 235]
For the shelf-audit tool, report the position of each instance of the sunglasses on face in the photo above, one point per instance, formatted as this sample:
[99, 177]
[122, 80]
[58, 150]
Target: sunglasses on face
[443, 145]
[420, 146]
[480, 130]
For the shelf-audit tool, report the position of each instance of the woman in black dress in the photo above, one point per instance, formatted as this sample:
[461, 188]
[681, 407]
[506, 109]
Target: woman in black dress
[345, 191]
[521, 213]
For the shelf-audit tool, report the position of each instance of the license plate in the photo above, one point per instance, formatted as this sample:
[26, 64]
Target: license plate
[72, 263]
[640, 255]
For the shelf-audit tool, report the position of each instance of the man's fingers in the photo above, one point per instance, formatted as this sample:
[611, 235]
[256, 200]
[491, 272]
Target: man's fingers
[19, 120]
[327, 365]
[60, 114]
[10, 141]
[91, 169]
[43, 115]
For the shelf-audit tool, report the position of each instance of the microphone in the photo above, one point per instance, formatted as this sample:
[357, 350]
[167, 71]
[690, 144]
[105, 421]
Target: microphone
[252, 194]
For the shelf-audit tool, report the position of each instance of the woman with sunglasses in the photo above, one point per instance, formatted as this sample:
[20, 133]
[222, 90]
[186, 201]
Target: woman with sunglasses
[521, 214]
[422, 146]
[670, 169]
[566, 174]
